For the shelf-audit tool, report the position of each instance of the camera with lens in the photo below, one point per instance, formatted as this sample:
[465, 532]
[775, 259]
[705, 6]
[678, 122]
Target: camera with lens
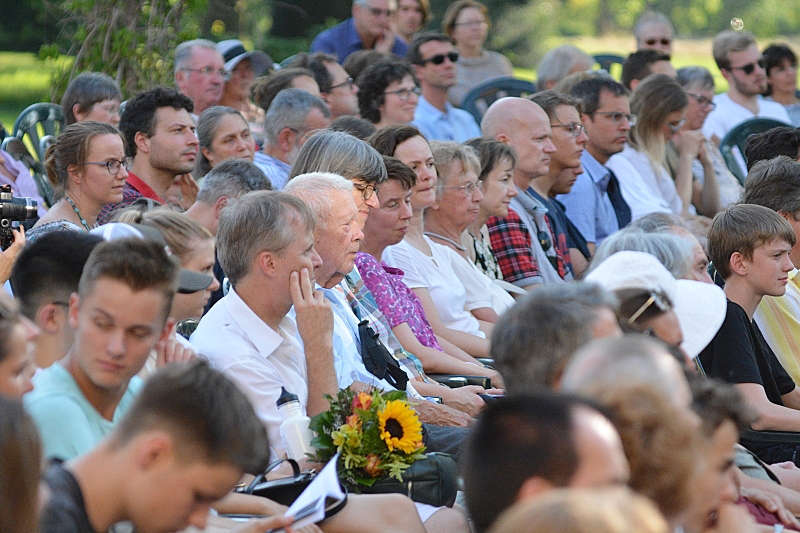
[12, 210]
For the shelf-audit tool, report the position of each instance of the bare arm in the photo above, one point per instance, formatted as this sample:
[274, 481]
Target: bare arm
[315, 325]
[688, 144]
[706, 199]
[485, 314]
[770, 415]
[473, 345]
[579, 263]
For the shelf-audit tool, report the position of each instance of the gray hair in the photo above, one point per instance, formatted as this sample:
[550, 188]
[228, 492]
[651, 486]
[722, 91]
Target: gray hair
[289, 109]
[232, 178]
[259, 221]
[557, 62]
[184, 51]
[672, 251]
[445, 153]
[658, 223]
[651, 17]
[207, 125]
[535, 339]
[339, 153]
[315, 190]
[695, 77]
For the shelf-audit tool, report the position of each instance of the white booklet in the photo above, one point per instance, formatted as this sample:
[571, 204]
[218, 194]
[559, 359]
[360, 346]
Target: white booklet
[324, 491]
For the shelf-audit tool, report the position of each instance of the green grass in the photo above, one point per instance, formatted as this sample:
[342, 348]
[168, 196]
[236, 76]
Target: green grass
[24, 80]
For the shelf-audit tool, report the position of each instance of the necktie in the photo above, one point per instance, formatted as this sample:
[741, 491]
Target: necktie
[621, 208]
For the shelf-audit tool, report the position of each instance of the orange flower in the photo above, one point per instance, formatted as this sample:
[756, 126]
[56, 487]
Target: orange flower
[362, 400]
[353, 421]
[373, 465]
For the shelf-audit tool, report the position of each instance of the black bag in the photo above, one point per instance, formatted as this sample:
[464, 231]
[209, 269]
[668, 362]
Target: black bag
[286, 490]
[432, 479]
[377, 359]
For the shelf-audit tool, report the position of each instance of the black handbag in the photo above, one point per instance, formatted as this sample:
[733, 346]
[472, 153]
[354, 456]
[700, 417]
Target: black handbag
[285, 490]
[433, 479]
[377, 359]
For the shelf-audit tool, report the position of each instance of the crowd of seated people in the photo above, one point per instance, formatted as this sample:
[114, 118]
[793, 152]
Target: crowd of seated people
[623, 311]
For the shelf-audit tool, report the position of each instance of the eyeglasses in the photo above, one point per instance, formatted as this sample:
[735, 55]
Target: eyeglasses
[438, 59]
[702, 100]
[405, 94]
[575, 128]
[656, 298]
[664, 41]
[617, 117]
[113, 166]
[348, 82]
[377, 12]
[750, 67]
[468, 189]
[675, 127]
[366, 190]
[208, 71]
[471, 23]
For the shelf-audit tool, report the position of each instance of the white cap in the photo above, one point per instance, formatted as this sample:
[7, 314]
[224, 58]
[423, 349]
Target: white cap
[700, 307]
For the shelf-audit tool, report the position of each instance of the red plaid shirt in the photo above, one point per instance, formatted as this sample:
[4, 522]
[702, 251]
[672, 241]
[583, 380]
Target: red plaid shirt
[511, 244]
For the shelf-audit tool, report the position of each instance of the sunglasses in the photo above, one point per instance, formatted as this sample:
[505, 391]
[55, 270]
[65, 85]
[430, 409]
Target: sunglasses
[438, 59]
[664, 41]
[750, 67]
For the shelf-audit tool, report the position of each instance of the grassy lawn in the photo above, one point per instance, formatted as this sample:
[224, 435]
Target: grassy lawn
[24, 79]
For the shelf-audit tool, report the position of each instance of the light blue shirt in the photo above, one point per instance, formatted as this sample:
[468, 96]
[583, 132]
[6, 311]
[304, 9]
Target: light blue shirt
[588, 205]
[69, 425]
[453, 124]
[276, 170]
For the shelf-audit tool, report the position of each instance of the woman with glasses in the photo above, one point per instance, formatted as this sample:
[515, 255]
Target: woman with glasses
[467, 23]
[699, 86]
[388, 93]
[659, 105]
[87, 164]
[223, 133]
[780, 62]
[428, 266]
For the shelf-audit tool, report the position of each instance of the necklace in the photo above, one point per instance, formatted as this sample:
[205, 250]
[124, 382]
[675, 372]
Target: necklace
[448, 240]
[77, 212]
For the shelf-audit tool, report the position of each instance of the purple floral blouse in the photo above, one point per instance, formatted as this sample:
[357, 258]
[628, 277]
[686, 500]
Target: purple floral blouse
[396, 301]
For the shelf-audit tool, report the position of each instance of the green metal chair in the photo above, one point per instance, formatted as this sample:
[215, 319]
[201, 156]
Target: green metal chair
[606, 61]
[737, 138]
[480, 97]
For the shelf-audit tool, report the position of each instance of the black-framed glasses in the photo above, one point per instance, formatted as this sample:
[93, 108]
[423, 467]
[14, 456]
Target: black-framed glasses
[574, 128]
[664, 41]
[113, 166]
[617, 117]
[438, 59]
[366, 190]
[405, 94]
[346, 83]
[208, 71]
[467, 189]
[702, 100]
[750, 67]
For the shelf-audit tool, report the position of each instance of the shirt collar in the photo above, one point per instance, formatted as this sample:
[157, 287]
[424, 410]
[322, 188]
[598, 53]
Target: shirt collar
[144, 189]
[426, 108]
[260, 334]
[593, 168]
[353, 38]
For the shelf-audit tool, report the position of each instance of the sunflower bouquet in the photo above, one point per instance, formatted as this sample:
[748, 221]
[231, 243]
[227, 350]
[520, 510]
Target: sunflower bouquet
[377, 435]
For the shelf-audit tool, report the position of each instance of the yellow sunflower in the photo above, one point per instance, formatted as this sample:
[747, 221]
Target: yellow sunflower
[400, 427]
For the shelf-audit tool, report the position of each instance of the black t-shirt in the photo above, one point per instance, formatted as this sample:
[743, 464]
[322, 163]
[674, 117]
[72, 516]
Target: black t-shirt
[65, 511]
[740, 354]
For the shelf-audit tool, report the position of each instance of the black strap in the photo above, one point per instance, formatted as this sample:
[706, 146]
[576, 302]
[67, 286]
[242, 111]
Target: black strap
[378, 360]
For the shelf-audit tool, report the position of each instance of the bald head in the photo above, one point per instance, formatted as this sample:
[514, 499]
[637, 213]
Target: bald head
[633, 359]
[524, 126]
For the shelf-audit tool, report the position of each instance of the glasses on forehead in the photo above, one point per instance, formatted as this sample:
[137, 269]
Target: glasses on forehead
[574, 128]
[750, 67]
[438, 59]
[702, 100]
[617, 117]
[664, 41]
[468, 189]
[208, 71]
[405, 94]
[346, 83]
[113, 166]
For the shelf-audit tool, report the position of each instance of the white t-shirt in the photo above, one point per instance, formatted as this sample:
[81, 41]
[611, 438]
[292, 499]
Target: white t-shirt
[728, 114]
[643, 189]
[478, 285]
[436, 274]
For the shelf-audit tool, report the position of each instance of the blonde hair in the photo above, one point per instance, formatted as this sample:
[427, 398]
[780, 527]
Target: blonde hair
[603, 510]
[178, 230]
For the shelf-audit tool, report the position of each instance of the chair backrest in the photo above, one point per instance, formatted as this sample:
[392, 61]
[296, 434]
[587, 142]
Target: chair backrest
[37, 121]
[480, 97]
[607, 60]
[732, 145]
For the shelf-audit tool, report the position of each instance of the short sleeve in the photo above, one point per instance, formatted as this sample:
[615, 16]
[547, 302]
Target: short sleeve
[477, 285]
[379, 283]
[62, 425]
[404, 257]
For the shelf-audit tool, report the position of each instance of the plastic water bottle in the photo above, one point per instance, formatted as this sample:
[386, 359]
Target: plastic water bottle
[294, 428]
